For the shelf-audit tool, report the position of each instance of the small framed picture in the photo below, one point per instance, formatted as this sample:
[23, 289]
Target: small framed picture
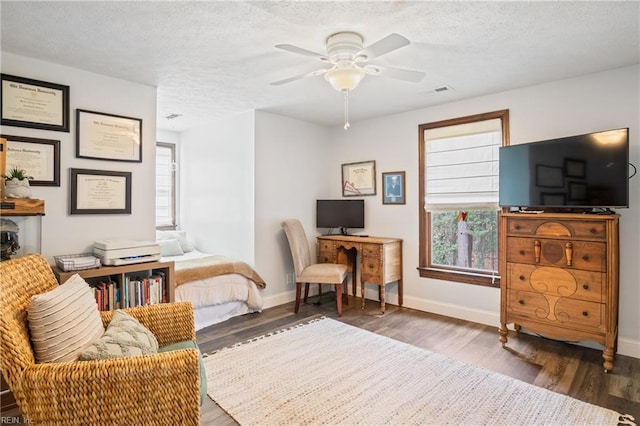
[100, 192]
[393, 189]
[35, 104]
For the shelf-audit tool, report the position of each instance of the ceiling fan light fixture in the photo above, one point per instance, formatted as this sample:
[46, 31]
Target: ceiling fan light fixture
[344, 78]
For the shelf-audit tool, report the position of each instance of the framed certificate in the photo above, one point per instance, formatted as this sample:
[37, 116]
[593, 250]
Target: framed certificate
[34, 103]
[100, 192]
[40, 158]
[359, 179]
[103, 136]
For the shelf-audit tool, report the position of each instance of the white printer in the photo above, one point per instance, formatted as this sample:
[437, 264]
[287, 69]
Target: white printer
[126, 252]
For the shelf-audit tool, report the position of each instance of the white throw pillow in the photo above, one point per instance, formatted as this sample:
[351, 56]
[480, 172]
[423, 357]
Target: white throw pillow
[181, 236]
[63, 321]
[171, 247]
[125, 336]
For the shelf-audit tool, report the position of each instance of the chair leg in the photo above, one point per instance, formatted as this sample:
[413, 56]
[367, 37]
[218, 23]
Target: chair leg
[306, 292]
[345, 292]
[339, 299]
[298, 290]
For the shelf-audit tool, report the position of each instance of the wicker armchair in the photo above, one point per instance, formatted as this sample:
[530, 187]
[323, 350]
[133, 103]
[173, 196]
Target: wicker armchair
[159, 389]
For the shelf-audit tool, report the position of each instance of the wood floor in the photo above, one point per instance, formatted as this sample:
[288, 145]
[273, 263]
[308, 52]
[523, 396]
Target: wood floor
[561, 367]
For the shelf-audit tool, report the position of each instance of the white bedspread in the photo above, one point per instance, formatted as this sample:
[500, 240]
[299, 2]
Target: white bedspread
[238, 292]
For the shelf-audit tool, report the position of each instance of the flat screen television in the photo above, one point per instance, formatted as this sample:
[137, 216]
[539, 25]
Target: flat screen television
[340, 214]
[589, 171]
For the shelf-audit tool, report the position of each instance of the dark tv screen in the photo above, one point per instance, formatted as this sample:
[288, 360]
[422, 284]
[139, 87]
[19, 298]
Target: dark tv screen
[340, 213]
[583, 171]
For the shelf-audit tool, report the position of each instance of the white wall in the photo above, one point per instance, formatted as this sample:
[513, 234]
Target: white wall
[589, 103]
[217, 165]
[292, 171]
[68, 234]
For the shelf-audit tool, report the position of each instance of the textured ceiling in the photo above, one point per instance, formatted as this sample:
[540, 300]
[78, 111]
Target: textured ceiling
[215, 59]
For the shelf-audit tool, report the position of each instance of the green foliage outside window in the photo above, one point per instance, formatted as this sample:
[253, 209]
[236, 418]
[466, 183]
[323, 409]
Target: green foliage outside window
[482, 228]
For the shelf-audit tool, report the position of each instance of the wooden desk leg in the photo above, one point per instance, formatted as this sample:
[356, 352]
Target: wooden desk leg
[382, 298]
[400, 292]
[362, 293]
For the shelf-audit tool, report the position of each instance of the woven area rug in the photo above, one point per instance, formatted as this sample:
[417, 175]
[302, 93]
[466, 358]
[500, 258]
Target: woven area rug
[327, 372]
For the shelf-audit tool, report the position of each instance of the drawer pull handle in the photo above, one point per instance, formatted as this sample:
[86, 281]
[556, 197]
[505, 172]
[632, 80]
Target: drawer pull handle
[516, 226]
[521, 302]
[585, 286]
[568, 252]
[371, 266]
[585, 258]
[536, 250]
[593, 230]
[521, 252]
[521, 277]
[585, 313]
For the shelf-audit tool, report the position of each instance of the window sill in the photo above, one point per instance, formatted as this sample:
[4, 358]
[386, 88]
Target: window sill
[460, 276]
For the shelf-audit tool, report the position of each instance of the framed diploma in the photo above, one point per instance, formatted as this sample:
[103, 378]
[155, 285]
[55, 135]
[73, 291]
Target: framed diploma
[34, 103]
[359, 179]
[103, 136]
[100, 192]
[40, 158]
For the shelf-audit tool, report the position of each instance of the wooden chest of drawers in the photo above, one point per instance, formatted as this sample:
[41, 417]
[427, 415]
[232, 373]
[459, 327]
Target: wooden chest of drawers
[559, 277]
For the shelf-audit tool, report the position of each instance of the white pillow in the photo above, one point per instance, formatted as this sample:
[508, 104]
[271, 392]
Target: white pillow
[63, 321]
[171, 247]
[125, 336]
[181, 236]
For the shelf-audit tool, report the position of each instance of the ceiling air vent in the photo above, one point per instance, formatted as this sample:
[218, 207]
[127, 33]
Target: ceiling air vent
[442, 89]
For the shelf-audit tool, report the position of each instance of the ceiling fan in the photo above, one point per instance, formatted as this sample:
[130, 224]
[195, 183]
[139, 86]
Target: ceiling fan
[348, 62]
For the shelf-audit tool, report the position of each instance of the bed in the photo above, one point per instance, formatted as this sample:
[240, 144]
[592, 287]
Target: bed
[219, 287]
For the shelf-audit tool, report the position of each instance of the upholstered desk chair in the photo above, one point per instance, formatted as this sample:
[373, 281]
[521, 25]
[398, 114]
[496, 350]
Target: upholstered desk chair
[309, 272]
[158, 389]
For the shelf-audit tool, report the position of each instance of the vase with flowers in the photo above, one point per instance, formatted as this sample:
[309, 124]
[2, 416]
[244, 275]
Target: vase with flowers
[16, 183]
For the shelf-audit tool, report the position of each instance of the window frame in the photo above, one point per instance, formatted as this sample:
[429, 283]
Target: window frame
[426, 268]
[174, 224]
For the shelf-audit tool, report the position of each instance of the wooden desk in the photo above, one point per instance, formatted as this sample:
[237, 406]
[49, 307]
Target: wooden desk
[380, 260]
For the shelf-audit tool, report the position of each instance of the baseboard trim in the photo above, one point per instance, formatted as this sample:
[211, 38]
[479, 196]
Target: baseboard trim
[626, 346]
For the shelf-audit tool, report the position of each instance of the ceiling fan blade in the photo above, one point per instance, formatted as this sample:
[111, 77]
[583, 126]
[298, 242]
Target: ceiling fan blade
[298, 77]
[301, 51]
[389, 43]
[397, 73]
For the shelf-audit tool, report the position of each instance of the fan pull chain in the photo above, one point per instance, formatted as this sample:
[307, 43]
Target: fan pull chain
[346, 110]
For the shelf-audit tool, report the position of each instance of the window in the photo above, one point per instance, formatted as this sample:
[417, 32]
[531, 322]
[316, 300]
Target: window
[459, 188]
[165, 185]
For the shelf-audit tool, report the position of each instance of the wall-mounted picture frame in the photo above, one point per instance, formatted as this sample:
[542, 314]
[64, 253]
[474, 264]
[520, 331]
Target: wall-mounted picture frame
[574, 168]
[35, 104]
[100, 192]
[39, 158]
[549, 176]
[359, 179]
[393, 188]
[102, 136]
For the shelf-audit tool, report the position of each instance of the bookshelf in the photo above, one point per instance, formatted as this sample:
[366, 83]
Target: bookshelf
[120, 275]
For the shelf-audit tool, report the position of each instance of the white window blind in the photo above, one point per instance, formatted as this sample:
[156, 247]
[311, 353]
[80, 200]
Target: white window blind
[462, 166]
[164, 186]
